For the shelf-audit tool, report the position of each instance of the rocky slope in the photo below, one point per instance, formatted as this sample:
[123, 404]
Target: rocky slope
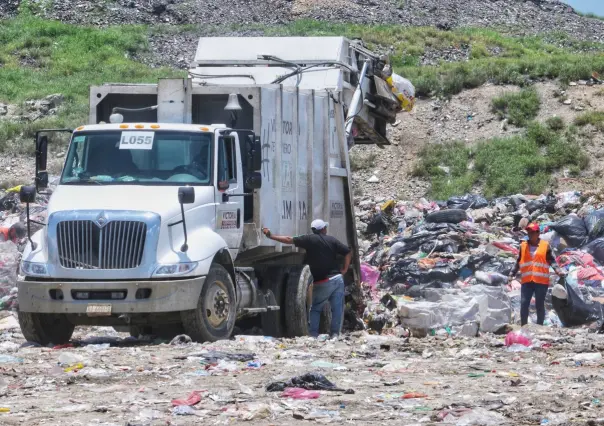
[526, 16]
[467, 117]
[245, 17]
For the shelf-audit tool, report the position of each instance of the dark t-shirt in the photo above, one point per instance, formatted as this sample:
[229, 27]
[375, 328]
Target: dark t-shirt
[321, 254]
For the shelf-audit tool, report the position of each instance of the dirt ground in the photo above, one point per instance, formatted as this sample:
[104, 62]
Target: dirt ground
[396, 381]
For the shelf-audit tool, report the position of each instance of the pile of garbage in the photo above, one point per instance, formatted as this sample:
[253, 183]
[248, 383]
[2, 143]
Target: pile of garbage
[443, 267]
[13, 212]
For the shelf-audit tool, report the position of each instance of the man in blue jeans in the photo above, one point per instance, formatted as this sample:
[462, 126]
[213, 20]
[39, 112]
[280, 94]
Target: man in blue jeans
[322, 251]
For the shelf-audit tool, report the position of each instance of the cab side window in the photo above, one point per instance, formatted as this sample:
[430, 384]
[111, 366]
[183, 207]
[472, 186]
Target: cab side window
[227, 160]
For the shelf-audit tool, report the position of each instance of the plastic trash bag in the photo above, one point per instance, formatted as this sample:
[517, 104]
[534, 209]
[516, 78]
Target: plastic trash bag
[596, 249]
[518, 338]
[403, 271]
[308, 381]
[573, 311]
[369, 275]
[492, 278]
[535, 205]
[488, 306]
[447, 216]
[440, 274]
[594, 223]
[468, 201]
[403, 90]
[572, 229]
[568, 199]
[299, 393]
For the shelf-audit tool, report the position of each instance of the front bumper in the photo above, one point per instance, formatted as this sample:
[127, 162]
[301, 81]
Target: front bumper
[165, 296]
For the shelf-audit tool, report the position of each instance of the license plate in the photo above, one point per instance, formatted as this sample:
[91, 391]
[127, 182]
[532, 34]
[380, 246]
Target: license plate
[98, 310]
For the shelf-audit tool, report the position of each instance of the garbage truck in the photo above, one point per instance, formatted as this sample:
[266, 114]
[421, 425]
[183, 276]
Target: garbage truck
[155, 224]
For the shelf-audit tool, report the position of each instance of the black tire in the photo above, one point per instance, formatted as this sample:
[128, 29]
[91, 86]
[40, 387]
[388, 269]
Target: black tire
[447, 216]
[296, 303]
[45, 328]
[272, 278]
[297, 306]
[216, 311]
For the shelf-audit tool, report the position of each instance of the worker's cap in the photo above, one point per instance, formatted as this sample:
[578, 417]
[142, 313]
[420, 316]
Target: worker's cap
[19, 230]
[318, 224]
[532, 227]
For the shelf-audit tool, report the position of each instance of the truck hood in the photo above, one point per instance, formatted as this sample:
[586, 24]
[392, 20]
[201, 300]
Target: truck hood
[162, 200]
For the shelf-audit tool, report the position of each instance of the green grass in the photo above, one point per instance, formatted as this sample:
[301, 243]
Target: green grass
[595, 118]
[519, 108]
[65, 59]
[502, 166]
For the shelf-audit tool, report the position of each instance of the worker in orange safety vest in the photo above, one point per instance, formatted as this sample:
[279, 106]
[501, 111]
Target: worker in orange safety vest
[534, 261]
[15, 233]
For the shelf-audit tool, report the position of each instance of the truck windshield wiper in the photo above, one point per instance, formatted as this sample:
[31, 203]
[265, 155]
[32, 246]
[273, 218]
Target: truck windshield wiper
[83, 180]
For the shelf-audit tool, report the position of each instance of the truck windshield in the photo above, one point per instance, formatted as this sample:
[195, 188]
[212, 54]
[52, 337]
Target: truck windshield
[139, 157]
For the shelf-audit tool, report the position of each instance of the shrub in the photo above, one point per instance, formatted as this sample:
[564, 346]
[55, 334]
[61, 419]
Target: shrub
[519, 108]
[555, 123]
[595, 118]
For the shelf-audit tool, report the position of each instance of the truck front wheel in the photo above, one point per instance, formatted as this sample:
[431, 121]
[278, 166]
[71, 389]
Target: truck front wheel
[216, 311]
[45, 328]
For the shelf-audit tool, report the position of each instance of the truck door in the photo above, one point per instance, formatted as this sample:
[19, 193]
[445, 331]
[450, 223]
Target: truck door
[229, 210]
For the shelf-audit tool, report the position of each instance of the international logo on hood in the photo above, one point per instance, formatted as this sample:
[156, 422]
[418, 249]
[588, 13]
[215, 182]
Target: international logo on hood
[101, 220]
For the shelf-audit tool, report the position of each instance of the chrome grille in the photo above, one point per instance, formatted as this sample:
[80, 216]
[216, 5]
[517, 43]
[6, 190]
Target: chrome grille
[83, 244]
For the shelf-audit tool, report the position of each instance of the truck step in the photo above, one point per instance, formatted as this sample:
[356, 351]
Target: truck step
[254, 310]
[261, 310]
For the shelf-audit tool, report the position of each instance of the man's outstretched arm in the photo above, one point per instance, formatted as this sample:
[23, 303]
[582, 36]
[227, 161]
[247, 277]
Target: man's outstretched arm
[279, 238]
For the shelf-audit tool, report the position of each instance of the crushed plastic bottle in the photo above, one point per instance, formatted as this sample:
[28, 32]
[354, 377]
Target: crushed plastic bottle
[69, 358]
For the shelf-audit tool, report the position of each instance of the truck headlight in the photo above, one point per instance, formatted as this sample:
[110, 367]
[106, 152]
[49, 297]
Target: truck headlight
[33, 268]
[174, 269]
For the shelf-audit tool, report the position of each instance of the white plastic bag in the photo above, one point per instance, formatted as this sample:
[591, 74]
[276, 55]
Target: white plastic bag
[403, 90]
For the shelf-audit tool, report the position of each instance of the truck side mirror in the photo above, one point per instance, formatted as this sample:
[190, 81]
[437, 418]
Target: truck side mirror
[41, 160]
[27, 194]
[186, 195]
[253, 181]
[254, 153]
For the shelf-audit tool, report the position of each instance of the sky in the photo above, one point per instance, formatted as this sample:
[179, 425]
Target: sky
[588, 6]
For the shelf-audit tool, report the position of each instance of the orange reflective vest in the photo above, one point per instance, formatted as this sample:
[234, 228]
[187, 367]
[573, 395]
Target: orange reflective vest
[534, 268]
[4, 232]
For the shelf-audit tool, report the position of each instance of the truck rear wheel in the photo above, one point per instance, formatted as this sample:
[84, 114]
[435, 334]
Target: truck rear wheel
[216, 311]
[45, 328]
[297, 303]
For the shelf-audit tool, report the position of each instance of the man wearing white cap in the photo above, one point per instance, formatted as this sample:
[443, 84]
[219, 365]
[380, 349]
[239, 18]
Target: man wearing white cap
[321, 256]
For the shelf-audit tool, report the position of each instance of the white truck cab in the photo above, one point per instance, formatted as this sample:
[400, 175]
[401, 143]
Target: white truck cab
[156, 220]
